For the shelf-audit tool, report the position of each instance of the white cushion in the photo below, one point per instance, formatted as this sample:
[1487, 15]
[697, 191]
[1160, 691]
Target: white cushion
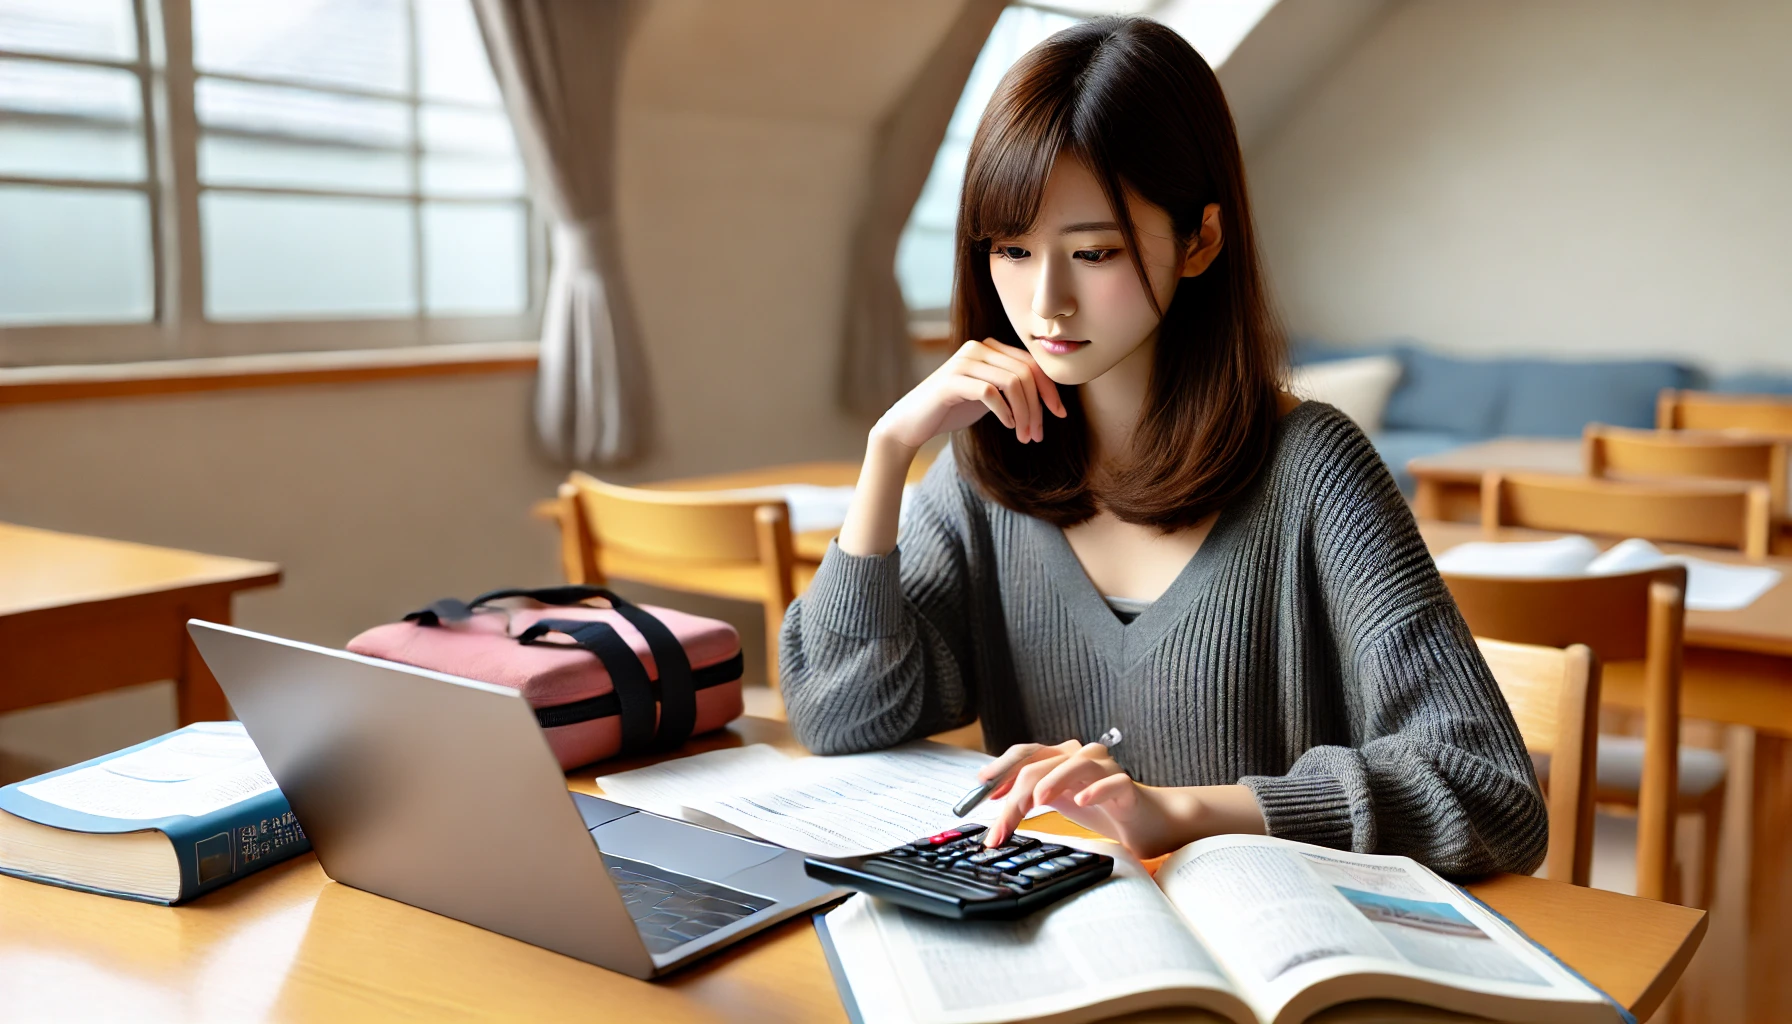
[1358, 387]
[1620, 767]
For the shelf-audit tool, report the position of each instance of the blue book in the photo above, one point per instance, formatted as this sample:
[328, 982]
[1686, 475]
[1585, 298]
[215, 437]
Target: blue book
[161, 822]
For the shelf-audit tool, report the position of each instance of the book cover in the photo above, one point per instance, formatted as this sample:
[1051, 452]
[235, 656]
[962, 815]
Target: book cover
[204, 786]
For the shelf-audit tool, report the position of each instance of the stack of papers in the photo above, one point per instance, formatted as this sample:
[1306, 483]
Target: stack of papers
[1710, 586]
[834, 806]
[813, 507]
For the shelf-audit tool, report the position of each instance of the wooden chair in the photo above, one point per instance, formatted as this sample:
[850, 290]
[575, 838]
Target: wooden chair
[705, 542]
[1726, 515]
[1632, 616]
[1706, 410]
[1554, 694]
[1617, 452]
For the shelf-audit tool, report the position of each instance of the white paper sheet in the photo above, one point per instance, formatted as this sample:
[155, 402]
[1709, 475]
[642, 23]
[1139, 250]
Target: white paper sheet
[1710, 586]
[857, 803]
[671, 786]
[816, 508]
[193, 772]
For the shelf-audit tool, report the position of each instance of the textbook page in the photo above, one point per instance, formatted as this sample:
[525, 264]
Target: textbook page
[1303, 927]
[854, 803]
[198, 770]
[671, 786]
[1113, 948]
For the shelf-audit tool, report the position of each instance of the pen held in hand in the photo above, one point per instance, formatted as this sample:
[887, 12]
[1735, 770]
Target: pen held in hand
[968, 803]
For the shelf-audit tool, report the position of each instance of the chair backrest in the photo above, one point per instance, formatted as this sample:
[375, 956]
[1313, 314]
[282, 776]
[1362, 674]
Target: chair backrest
[1621, 452]
[1729, 515]
[1621, 618]
[1554, 695]
[701, 526]
[1707, 410]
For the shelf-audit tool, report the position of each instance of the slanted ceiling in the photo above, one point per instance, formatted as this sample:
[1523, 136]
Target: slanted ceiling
[794, 59]
[1295, 44]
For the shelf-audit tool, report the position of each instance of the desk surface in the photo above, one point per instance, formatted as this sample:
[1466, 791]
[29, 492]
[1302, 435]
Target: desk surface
[1764, 627]
[288, 944]
[41, 569]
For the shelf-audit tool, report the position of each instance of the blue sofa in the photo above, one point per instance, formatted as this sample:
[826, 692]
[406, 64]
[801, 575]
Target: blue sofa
[1443, 402]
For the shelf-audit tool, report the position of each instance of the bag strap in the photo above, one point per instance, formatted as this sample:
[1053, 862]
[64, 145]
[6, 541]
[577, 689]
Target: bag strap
[678, 688]
[634, 693]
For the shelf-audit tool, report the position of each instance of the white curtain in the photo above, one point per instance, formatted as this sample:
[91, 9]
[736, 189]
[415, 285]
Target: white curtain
[876, 364]
[558, 63]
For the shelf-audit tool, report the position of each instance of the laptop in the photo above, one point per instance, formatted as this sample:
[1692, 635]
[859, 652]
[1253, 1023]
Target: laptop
[441, 792]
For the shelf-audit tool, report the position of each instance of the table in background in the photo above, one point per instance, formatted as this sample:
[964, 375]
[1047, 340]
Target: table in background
[79, 615]
[288, 944]
[1447, 486]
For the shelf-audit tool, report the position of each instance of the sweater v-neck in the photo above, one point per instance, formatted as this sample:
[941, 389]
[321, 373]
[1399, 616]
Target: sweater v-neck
[1122, 644]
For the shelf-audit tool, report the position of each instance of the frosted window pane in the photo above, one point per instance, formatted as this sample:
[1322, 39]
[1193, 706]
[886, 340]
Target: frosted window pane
[452, 54]
[104, 94]
[476, 258]
[355, 43]
[302, 113]
[455, 175]
[476, 131]
[303, 256]
[227, 160]
[924, 254]
[70, 151]
[70, 28]
[74, 255]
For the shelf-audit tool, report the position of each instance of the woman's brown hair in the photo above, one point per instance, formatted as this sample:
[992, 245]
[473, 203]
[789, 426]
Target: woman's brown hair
[1138, 106]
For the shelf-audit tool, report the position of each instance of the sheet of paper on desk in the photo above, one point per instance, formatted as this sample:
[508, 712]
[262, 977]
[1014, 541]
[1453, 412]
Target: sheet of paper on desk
[669, 787]
[856, 803]
[1710, 586]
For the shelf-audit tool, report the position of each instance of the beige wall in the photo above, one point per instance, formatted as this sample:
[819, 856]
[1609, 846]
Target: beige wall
[1605, 177]
[744, 135]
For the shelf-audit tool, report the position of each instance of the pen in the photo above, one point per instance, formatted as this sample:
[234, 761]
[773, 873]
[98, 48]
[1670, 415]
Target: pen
[967, 803]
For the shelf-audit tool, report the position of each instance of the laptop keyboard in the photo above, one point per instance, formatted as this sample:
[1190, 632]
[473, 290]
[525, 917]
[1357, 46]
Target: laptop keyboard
[671, 909]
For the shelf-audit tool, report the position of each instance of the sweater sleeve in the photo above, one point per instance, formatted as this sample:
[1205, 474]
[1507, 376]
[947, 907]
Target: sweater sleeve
[1436, 769]
[877, 651]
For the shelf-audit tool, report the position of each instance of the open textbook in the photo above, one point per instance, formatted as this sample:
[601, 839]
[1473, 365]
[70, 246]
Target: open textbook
[1710, 586]
[1256, 930]
[836, 806]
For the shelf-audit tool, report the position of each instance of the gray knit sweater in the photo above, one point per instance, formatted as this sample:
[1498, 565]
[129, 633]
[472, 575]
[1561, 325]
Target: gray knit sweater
[1308, 651]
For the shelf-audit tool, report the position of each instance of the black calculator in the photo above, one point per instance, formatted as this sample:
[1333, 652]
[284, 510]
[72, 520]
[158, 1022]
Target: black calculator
[953, 875]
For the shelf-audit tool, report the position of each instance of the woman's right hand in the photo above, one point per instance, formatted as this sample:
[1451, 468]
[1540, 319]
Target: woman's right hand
[982, 377]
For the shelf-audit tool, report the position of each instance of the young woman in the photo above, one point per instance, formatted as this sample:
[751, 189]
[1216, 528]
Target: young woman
[1135, 527]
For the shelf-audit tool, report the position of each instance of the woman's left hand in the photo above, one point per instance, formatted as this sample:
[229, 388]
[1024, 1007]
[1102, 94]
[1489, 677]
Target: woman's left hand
[1083, 783]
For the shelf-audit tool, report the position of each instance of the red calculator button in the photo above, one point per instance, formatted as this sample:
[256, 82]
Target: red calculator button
[945, 837]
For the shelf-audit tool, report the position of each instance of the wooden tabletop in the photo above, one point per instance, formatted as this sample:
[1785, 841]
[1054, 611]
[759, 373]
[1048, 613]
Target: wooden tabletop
[1517, 454]
[41, 569]
[288, 944]
[1764, 627]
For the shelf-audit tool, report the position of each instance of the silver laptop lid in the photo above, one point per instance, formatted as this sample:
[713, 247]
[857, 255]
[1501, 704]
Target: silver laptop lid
[428, 789]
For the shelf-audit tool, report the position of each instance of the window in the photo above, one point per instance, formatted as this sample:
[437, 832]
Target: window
[277, 175]
[924, 254]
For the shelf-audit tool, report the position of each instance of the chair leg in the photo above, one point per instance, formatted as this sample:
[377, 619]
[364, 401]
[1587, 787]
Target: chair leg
[1712, 812]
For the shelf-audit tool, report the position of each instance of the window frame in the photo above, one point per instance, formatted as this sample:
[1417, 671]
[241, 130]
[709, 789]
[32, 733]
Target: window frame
[178, 327]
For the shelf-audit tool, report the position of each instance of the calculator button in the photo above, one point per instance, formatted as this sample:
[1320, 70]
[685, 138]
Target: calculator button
[1062, 863]
[1036, 872]
[1027, 858]
[1022, 842]
[1054, 851]
[1005, 865]
[989, 874]
[944, 837]
[1017, 881]
[987, 856]
[970, 830]
[902, 851]
[1082, 857]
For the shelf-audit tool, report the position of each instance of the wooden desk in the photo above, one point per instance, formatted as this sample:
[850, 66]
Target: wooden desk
[1447, 486]
[79, 615]
[289, 945]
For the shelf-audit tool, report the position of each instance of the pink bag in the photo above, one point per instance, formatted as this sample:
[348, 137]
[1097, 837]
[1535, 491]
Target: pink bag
[625, 679]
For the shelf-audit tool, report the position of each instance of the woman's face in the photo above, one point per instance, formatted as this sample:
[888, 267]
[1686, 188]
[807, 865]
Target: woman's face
[1069, 286]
